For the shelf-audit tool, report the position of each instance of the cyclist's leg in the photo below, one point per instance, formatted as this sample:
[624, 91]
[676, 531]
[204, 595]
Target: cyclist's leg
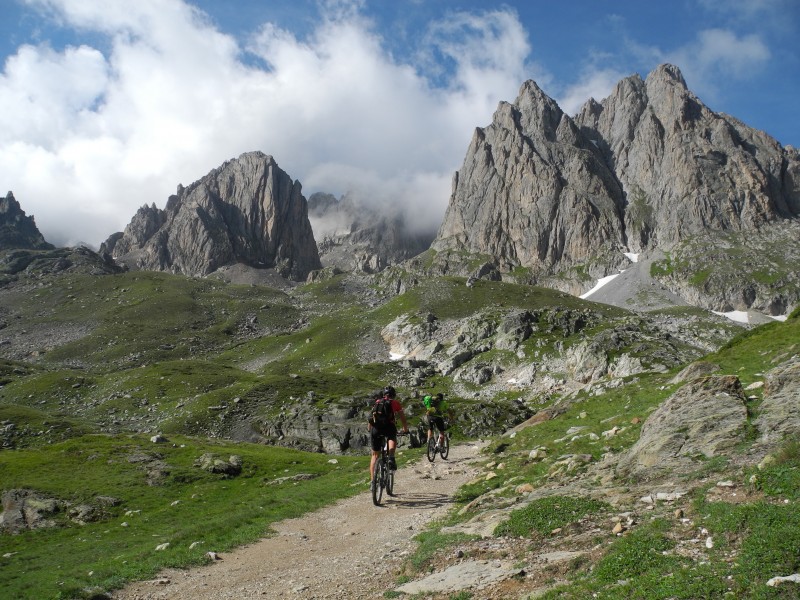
[440, 426]
[391, 436]
[375, 443]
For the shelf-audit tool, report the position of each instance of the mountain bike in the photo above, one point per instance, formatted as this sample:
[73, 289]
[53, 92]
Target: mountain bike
[384, 476]
[434, 447]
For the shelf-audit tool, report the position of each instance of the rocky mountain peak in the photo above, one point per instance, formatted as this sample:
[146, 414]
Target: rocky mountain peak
[246, 211]
[666, 74]
[539, 112]
[533, 191]
[17, 230]
[648, 167]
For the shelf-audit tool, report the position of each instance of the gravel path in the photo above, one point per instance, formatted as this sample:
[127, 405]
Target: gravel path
[348, 550]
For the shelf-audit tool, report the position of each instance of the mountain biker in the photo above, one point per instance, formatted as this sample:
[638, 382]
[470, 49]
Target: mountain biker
[436, 408]
[387, 429]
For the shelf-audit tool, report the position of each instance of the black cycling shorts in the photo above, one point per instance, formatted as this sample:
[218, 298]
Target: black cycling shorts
[378, 433]
[436, 421]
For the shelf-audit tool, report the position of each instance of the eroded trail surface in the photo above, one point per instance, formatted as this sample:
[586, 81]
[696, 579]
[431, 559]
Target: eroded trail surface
[351, 549]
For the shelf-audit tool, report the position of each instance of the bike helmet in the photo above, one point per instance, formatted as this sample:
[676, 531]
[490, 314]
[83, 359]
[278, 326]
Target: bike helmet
[389, 391]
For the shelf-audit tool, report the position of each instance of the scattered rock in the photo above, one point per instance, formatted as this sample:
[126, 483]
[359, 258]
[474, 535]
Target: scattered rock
[213, 464]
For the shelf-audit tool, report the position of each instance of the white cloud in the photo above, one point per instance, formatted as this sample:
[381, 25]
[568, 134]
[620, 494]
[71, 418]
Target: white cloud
[712, 60]
[747, 10]
[596, 84]
[104, 131]
[44, 93]
[721, 52]
[716, 57]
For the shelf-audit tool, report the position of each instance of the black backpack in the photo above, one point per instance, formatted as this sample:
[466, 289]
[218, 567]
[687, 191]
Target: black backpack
[382, 413]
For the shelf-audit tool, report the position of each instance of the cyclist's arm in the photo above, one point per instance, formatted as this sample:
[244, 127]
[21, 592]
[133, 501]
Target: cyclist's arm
[403, 420]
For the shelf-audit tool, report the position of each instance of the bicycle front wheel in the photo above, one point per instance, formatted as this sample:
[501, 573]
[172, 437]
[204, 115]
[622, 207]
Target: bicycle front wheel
[431, 448]
[445, 449]
[378, 483]
[390, 482]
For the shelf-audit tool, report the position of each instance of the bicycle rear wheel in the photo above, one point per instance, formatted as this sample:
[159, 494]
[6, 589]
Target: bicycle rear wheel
[432, 448]
[445, 449]
[389, 482]
[378, 483]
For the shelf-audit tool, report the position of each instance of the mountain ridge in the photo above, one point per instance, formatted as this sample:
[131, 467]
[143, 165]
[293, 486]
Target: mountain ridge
[18, 230]
[541, 198]
[557, 201]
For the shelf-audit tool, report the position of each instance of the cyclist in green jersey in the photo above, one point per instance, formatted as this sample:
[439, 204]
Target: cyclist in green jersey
[436, 409]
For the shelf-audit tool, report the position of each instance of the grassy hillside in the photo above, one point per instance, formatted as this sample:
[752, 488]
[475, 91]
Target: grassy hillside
[93, 365]
[143, 495]
[711, 543]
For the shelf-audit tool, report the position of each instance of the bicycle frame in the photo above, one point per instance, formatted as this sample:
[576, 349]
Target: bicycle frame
[383, 478]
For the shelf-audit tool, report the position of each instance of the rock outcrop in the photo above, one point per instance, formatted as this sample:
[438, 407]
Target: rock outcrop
[651, 166]
[779, 417]
[17, 230]
[703, 419]
[246, 211]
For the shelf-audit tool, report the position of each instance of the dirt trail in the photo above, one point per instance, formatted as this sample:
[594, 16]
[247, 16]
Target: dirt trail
[348, 550]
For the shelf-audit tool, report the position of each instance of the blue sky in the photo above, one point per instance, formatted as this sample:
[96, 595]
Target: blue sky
[107, 105]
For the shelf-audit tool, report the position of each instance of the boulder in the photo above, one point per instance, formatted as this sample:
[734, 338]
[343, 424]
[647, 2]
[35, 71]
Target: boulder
[701, 420]
[779, 413]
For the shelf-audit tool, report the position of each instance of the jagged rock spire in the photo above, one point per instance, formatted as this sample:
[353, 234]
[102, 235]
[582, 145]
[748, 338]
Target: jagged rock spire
[247, 211]
[17, 230]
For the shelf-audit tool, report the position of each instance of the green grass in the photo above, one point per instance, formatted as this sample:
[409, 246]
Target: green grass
[781, 478]
[662, 268]
[642, 565]
[768, 537]
[450, 298]
[699, 278]
[432, 543]
[544, 515]
[189, 505]
[755, 351]
[194, 316]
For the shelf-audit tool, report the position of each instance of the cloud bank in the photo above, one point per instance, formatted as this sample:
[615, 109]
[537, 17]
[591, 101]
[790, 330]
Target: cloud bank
[88, 135]
[156, 95]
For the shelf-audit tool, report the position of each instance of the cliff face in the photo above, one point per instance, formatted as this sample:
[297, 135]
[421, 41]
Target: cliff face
[647, 168]
[246, 211]
[533, 191]
[684, 168]
[17, 230]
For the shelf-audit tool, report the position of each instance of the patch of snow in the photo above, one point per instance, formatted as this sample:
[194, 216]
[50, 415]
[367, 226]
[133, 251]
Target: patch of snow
[779, 317]
[395, 356]
[633, 257]
[739, 316]
[600, 283]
